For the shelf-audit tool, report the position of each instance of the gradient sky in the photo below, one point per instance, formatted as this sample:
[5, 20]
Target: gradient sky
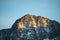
[11, 10]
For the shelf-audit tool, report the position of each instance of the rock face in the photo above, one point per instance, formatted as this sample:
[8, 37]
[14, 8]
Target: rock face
[31, 27]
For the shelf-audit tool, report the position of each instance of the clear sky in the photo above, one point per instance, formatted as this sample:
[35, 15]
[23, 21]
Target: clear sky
[11, 10]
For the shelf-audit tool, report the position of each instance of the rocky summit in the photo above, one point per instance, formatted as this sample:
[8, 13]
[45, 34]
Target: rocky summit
[31, 27]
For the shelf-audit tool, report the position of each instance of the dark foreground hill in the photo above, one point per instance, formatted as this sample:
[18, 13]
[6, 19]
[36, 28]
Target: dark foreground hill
[31, 27]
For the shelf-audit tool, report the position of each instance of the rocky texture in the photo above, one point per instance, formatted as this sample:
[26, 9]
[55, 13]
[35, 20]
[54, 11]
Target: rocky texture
[31, 27]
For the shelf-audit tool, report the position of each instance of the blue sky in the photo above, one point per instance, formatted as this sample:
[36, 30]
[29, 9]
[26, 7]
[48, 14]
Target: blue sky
[11, 10]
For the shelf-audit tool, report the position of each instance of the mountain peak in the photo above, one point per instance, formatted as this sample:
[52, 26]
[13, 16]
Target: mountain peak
[28, 14]
[31, 21]
[31, 27]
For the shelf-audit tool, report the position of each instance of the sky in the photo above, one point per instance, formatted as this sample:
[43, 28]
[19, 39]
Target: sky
[11, 10]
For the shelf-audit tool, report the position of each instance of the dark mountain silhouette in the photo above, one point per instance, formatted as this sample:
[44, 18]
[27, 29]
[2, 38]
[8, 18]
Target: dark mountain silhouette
[31, 27]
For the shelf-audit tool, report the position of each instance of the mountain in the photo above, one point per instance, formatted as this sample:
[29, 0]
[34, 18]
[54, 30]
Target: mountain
[31, 27]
